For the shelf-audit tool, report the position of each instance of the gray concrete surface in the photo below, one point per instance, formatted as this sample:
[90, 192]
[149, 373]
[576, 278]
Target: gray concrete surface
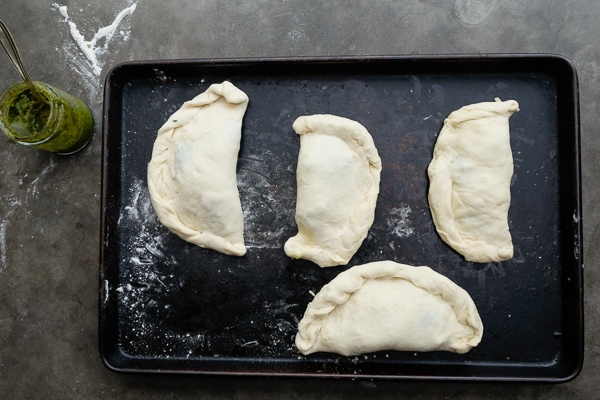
[50, 205]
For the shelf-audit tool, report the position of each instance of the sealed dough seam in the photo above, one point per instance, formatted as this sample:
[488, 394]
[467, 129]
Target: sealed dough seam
[352, 280]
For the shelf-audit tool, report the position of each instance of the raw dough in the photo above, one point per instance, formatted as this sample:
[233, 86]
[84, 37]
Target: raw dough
[338, 182]
[470, 174]
[389, 306]
[191, 176]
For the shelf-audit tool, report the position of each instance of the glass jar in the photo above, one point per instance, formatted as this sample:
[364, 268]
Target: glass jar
[63, 126]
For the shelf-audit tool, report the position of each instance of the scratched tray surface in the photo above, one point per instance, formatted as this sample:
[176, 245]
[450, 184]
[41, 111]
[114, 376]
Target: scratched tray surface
[168, 305]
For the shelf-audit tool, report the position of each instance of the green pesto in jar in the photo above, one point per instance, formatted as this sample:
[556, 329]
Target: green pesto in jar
[63, 125]
[26, 113]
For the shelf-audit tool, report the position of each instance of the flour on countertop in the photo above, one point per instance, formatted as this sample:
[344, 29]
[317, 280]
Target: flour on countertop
[15, 202]
[3, 225]
[95, 53]
[47, 169]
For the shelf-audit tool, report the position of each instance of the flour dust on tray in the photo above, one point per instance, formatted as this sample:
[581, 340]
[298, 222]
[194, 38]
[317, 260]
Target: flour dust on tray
[266, 200]
[148, 274]
[171, 304]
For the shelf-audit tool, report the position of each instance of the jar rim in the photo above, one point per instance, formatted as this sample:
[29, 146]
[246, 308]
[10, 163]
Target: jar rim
[52, 124]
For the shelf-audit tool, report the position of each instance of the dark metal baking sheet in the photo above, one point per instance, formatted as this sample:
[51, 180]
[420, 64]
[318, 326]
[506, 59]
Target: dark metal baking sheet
[169, 306]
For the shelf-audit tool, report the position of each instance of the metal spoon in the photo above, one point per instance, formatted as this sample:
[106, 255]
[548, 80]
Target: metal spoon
[8, 43]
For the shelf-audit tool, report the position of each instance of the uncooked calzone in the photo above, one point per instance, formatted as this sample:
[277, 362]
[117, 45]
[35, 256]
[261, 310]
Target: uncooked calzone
[192, 177]
[389, 306]
[470, 174]
[338, 182]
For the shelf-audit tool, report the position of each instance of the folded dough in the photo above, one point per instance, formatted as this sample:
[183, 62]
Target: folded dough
[338, 182]
[389, 306]
[192, 177]
[470, 174]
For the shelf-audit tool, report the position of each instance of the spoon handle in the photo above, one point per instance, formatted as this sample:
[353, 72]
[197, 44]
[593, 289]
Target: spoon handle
[8, 43]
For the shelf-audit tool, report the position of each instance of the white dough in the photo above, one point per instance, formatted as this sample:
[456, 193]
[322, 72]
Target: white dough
[470, 174]
[192, 177]
[389, 306]
[338, 182]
